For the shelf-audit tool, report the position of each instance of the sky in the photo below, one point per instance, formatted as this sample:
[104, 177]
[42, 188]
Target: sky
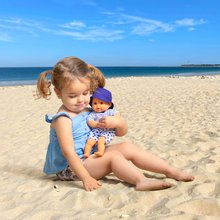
[38, 33]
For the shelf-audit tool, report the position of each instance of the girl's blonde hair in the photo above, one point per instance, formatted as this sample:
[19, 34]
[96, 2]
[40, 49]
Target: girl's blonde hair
[65, 71]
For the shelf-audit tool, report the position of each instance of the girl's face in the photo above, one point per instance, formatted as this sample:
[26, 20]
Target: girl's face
[76, 95]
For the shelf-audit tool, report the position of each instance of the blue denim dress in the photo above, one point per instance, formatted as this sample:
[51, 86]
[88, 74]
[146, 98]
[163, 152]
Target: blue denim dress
[55, 161]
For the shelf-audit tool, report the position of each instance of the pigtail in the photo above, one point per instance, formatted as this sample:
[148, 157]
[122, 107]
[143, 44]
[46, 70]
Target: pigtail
[43, 85]
[97, 77]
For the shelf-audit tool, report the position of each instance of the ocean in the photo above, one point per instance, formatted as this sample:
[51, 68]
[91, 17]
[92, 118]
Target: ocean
[10, 76]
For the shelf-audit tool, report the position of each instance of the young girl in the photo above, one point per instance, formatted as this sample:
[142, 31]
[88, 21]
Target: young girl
[73, 82]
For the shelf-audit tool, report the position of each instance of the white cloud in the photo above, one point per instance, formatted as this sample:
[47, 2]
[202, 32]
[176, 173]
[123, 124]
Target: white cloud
[115, 26]
[189, 22]
[107, 13]
[74, 25]
[81, 31]
[26, 26]
[95, 34]
[18, 22]
[151, 26]
[10, 20]
[143, 26]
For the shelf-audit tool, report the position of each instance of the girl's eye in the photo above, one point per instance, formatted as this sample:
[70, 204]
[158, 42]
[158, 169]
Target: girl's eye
[86, 93]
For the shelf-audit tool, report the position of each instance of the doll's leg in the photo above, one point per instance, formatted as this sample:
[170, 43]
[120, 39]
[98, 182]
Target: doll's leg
[148, 161]
[89, 145]
[101, 147]
[114, 161]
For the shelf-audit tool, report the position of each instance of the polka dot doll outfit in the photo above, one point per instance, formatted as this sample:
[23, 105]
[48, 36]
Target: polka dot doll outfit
[96, 133]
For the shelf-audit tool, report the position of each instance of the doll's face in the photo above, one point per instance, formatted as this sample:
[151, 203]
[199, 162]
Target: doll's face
[99, 105]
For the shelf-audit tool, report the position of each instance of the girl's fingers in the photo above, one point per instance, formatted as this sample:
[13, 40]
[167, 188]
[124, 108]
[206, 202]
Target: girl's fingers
[92, 187]
[101, 125]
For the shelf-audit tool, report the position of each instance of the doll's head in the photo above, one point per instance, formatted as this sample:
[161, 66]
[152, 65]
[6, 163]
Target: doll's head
[101, 100]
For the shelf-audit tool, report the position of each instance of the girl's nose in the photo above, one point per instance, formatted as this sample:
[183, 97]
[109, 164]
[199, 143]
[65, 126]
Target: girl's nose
[80, 98]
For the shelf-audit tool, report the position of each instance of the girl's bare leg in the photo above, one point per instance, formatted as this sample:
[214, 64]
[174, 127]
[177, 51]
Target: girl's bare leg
[147, 161]
[114, 161]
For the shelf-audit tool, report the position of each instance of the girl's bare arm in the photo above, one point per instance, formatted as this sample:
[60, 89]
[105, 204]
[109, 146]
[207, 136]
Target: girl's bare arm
[63, 127]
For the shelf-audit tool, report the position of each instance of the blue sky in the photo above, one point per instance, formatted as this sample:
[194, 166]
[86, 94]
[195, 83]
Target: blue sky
[109, 32]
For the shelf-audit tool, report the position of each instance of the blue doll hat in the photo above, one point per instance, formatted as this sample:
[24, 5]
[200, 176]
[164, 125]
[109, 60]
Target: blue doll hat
[102, 94]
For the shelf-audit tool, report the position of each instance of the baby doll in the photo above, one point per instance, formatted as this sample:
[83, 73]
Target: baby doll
[101, 102]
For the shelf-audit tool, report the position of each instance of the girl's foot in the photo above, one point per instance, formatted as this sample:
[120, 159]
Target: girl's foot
[147, 185]
[180, 175]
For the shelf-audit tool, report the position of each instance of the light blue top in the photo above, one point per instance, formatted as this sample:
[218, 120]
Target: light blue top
[55, 161]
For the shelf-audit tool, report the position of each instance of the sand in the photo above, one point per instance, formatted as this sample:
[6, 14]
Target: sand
[175, 118]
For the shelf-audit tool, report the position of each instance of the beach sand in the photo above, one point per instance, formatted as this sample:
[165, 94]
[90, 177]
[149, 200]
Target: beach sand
[175, 118]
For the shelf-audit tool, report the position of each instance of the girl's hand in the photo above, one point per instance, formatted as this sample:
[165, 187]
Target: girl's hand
[108, 122]
[91, 184]
[116, 122]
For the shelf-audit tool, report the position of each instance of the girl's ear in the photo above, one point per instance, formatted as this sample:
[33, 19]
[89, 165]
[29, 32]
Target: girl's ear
[57, 93]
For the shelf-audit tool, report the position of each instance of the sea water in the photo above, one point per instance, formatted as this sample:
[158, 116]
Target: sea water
[28, 75]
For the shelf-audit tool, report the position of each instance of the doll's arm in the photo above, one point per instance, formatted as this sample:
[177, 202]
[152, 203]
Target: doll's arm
[92, 123]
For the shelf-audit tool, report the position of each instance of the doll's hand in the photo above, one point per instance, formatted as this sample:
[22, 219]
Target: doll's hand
[93, 124]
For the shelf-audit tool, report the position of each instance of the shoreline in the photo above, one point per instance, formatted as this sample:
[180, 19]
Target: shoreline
[176, 118]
